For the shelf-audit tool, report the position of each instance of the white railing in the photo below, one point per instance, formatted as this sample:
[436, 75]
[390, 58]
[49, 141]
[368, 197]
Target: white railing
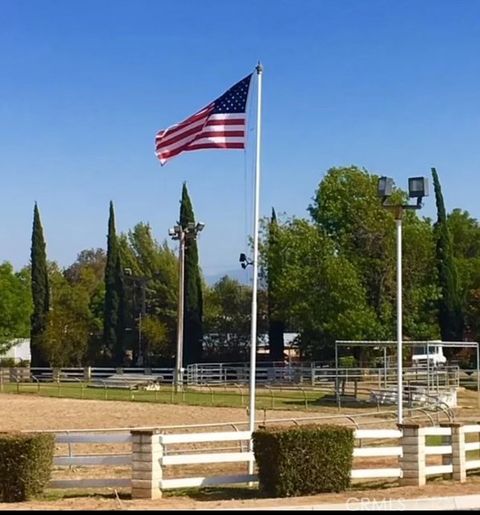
[208, 457]
[179, 457]
[92, 460]
[437, 450]
[377, 451]
[184, 450]
[471, 464]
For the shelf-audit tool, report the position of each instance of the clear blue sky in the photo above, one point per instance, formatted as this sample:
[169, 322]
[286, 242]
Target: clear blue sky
[393, 86]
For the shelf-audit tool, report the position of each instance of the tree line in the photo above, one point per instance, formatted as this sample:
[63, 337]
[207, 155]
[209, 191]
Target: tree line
[326, 277]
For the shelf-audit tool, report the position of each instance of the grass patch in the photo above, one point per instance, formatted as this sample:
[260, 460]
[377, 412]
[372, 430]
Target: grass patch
[53, 495]
[266, 398]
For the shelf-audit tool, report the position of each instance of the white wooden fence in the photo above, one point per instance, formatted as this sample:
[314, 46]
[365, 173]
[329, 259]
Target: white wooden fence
[172, 451]
[472, 463]
[76, 461]
[444, 450]
[204, 457]
[183, 454]
[376, 452]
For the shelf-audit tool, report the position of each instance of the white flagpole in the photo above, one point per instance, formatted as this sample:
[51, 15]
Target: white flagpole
[253, 338]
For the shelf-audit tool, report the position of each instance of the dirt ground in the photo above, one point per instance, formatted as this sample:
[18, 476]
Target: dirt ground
[24, 412]
[28, 412]
[110, 502]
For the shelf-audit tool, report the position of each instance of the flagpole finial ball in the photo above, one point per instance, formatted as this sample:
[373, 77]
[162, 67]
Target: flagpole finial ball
[259, 68]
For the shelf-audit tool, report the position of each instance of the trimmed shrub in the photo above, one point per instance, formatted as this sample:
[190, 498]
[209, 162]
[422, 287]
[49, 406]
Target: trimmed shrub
[25, 464]
[303, 460]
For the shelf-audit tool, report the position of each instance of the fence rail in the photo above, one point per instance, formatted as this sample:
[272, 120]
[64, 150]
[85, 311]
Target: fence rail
[173, 453]
[91, 458]
[449, 376]
[339, 387]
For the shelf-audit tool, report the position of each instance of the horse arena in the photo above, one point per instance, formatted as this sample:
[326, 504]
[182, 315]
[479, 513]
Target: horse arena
[93, 414]
[28, 412]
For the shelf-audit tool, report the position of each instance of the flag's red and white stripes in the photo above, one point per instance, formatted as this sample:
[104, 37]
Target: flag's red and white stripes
[200, 131]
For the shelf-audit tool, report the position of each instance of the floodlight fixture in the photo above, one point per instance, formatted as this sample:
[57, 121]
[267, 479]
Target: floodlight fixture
[385, 187]
[417, 187]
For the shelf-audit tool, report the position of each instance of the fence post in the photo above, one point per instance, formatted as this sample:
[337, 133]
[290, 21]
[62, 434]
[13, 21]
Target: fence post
[147, 452]
[458, 451]
[87, 374]
[412, 461]
[56, 375]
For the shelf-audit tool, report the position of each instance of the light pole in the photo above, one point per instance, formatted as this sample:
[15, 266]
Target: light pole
[182, 234]
[417, 188]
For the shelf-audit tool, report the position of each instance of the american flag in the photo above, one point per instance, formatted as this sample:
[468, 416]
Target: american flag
[221, 124]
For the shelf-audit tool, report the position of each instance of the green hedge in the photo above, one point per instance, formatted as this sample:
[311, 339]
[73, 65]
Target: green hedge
[25, 464]
[303, 460]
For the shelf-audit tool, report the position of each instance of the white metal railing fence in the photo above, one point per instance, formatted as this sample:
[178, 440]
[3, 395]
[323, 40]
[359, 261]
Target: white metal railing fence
[92, 456]
[272, 373]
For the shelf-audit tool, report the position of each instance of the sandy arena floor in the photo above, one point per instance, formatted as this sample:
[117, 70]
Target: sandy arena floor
[24, 412]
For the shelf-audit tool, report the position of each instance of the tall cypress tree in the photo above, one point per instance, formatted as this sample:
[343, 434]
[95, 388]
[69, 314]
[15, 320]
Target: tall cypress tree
[118, 350]
[193, 307]
[276, 324]
[113, 301]
[450, 316]
[40, 293]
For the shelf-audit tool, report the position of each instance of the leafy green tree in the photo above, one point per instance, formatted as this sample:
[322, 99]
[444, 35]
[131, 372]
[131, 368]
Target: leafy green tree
[193, 307]
[69, 322]
[420, 281]
[155, 336]
[347, 209]
[227, 322]
[450, 315]
[88, 273]
[40, 293]
[151, 290]
[465, 232]
[15, 305]
[321, 291]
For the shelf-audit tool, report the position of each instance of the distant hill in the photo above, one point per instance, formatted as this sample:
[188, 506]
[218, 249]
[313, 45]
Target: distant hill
[240, 275]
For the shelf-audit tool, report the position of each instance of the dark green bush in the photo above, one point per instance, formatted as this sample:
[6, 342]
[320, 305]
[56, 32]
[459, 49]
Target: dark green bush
[25, 464]
[303, 460]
